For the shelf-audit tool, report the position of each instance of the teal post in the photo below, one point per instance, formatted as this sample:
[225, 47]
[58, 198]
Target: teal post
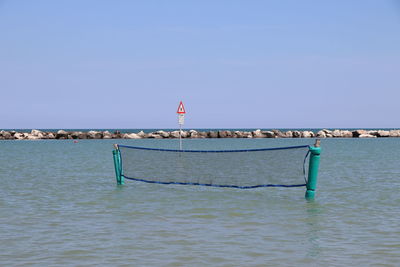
[118, 165]
[313, 166]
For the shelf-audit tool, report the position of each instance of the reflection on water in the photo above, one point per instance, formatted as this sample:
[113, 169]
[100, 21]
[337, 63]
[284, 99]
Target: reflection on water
[313, 212]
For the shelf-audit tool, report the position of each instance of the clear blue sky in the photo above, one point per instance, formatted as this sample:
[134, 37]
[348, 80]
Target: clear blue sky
[235, 64]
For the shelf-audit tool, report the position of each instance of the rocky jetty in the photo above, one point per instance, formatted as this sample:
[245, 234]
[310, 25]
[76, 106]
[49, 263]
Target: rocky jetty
[325, 133]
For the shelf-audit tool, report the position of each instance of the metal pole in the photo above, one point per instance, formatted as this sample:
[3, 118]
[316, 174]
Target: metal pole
[313, 170]
[180, 136]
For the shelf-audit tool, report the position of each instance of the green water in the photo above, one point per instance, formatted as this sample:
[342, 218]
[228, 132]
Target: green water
[59, 205]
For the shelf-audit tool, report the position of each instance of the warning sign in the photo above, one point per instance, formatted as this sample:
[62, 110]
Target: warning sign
[181, 109]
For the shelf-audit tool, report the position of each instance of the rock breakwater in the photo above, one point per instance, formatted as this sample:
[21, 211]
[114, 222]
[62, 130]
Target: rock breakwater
[325, 133]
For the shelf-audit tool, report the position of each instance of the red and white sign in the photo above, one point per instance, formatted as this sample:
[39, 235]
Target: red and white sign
[181, 109]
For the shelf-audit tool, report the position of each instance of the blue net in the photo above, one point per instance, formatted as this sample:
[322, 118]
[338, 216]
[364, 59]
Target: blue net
[252, 168]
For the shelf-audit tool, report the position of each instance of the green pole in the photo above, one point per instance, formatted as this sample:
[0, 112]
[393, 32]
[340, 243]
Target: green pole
[315, 152]
[117, 165]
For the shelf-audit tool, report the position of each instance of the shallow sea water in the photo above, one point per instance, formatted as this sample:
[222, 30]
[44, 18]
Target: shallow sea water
[60, 205]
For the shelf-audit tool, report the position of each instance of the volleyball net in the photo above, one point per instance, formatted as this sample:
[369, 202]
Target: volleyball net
[244, 169]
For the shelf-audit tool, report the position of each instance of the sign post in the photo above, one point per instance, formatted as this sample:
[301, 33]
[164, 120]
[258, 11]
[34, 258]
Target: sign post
[181, 120]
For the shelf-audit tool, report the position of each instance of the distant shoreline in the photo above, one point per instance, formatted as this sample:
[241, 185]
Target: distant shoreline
[163, 134]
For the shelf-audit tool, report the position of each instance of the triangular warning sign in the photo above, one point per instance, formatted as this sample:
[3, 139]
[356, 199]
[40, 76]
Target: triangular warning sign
[181, 109]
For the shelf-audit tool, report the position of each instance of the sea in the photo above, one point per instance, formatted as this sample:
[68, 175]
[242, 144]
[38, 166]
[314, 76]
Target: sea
[60, 206]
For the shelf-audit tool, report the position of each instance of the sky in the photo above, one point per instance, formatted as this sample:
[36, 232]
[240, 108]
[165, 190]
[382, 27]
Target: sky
[234, 64]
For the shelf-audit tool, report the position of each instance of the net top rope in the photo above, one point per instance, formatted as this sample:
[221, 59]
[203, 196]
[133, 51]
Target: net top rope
[212, 151]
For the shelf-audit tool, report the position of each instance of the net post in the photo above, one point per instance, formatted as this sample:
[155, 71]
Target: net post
[118, 165]
[313, 166]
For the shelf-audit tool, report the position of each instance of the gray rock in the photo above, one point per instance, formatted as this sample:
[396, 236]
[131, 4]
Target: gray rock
[307, 134]
[289, 134]
[117, 136]
[213, 134]
[19, 136]
[373, 132]
[163, 134]
[327, 131]
[238, 134]
[94, 135]
[258, 134]
[367, 136]
[6, 135]
[51, 136]
[154, 136]
[174, 134]
[357, 133]
[141, 134]
[269, 134]
[382, 133]
[224, 134]
[107, 135]
[193, 134]
[82, 136]
[347, 134]
[184, 134]
[279, 134]
[321, 134]
[196, 134]
[61, 134]
[394, 133]
[91, 135]
[136, 136]
[296, 134]
[32, 137]
[75, 135]
[337, 133]
[202, 134]
[36, 132]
